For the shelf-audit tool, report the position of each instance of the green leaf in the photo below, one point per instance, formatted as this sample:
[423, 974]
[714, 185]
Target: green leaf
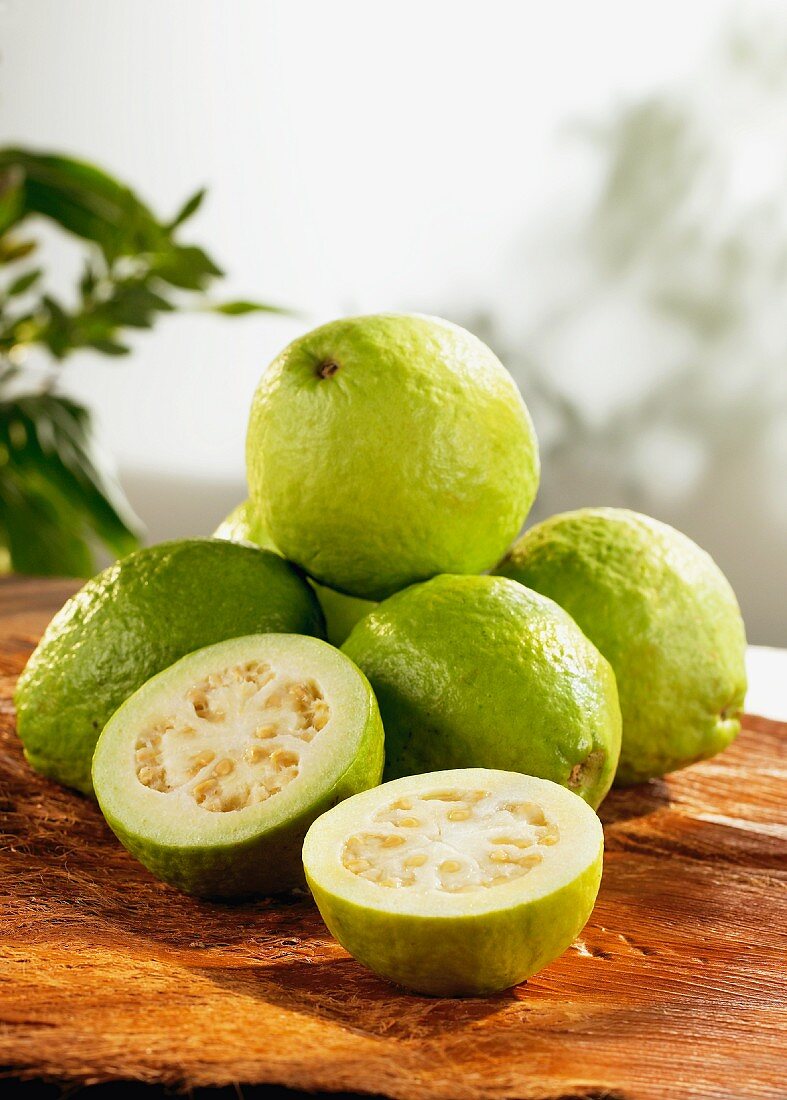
[86, 201]
[16, 331]
[187, 267]
[189, 208]
[139, 254]
[24, 282]
[135, 304]
[55, 334]
[56, 498]
[76, 214]
[51, 476]
[39, 535]
[88, 282]
[11, 249]
[107, 346]
[238, 309]
[12, 199]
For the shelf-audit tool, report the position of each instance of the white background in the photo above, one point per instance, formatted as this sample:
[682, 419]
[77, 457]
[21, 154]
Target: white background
[359, 156]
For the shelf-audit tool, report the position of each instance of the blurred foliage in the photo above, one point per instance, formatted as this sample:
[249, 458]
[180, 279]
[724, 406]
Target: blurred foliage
[646, 327]
[57, 498]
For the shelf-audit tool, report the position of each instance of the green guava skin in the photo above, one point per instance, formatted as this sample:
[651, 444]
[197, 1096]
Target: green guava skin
[341, 612]
[133, 620]
[261, 865]
[383, 450]
[244, 525]
[481, 672]
[461, 957]
[664, 616]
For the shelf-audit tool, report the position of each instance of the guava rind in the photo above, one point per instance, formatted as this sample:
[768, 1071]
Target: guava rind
[450, 957]
[133, 620]
[266, 863]
[341, 612]
[478, 952]
[414, 456]
[664, 616]
[483, 672]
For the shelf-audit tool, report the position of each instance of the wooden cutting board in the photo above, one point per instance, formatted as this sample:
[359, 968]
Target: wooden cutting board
[676, 987]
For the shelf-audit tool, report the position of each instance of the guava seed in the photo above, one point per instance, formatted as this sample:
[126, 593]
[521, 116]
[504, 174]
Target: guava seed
[393, 841]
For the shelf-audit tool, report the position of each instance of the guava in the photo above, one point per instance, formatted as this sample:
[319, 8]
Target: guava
[244, 525]
[341, 612]
[133, 620]
[211, 773]
[664, 616]
[480, 672]
[383, 450]
[456, 883]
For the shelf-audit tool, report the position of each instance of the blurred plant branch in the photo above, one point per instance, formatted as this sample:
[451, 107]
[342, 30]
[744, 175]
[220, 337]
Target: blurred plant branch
[57, 497]
[647, 326]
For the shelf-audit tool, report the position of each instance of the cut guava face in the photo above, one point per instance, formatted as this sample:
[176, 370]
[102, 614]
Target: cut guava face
[483, 672]
[211, 773]
[665, 617]
[383, 450]
[456, 883]
[341, 612]
[135, 619]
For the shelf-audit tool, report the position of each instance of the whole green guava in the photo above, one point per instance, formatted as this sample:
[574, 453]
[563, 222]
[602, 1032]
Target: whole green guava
[383, 450]
[664, 616]
[137, 618]
[481, 672]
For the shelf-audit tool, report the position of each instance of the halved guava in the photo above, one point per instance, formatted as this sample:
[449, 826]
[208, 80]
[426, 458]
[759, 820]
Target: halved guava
[135, 619]
[456, 883]
[211, 773]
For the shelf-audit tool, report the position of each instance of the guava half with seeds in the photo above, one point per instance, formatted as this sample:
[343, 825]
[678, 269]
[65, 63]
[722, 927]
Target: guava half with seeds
[211, 773]
[665, 617]
[383, 450]
[135, 619]
[341, 612]
[456, 883]
[483, 672]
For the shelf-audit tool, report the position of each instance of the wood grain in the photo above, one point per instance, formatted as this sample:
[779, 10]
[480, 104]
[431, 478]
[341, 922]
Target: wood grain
[675, 989]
